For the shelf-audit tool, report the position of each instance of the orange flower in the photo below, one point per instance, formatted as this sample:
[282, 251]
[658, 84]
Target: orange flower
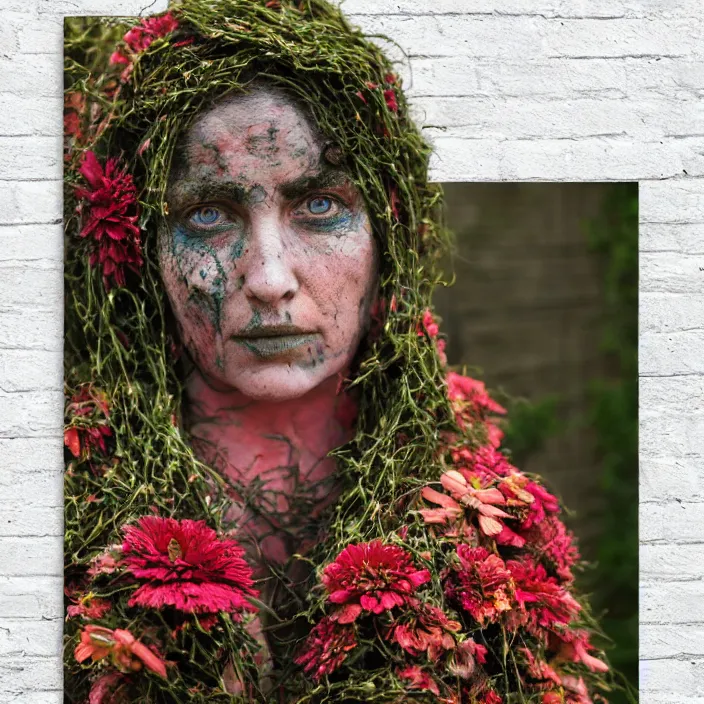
[126, 652]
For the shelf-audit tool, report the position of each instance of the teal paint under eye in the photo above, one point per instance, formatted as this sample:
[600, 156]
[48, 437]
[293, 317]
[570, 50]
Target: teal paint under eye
[237, 249]
[343, 222]
[212, 300]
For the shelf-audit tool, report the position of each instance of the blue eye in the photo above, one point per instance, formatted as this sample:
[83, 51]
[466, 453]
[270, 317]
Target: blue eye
[205, 216]
[319, 206]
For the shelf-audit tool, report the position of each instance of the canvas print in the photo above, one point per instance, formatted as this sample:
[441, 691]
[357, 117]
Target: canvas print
[283, 481]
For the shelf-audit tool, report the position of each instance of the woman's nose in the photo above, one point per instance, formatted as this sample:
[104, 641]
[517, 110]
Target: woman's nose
[269, 276]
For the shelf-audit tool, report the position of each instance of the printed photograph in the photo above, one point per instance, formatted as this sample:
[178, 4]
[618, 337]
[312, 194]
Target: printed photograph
[334, 432]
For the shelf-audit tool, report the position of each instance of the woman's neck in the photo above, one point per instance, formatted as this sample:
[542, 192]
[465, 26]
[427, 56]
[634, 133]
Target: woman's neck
[274, 457]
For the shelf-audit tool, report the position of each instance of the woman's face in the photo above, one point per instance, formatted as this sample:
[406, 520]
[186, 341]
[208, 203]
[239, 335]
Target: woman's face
[268, 257]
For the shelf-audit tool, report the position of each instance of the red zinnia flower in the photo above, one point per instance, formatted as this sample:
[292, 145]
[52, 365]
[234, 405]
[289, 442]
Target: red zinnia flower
[110, 211]
[126, 652]
[543, 503]
[548, 605]
[552, 698]
[89, 412]
[140, 37]
[390, 98]
[481, 584]
[553, 542]
[326, 648]
[427, 630]
[183, 564]
[534, 500]
[372, 577]
[491, 697]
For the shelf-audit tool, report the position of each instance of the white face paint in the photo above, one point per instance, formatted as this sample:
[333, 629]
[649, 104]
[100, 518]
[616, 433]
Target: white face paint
[268, 259]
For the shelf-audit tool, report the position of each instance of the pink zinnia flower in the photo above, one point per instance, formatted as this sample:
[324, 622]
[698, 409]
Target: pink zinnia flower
[327, 648]
[463, 495]
[440, 345]
[471, 395]
[573, 646]
[110, 212]
[425, 631]
[429, 324]
[472, 404]
[110, 688]
[486, 462]
[106, 562]
[576, 690]
[419, 679]
[185, 565]
[538, 670]
[371, 577]
[125, 651]
[481, 584]
[466, 657]
[448, 512]
[394, 201]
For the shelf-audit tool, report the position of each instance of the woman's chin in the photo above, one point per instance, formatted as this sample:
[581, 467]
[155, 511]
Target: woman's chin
[279, 382]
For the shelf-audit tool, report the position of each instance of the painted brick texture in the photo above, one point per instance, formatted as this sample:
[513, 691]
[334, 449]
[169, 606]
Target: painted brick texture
[511, 90]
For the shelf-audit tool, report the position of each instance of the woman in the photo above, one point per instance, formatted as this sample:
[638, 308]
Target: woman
[276, 491]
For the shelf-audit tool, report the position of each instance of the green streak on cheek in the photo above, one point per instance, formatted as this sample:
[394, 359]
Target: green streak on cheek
[183, 243]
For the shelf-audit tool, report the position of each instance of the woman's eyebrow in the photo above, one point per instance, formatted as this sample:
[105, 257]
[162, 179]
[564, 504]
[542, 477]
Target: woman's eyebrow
[204, 189]
[188, 190]
[302, 185]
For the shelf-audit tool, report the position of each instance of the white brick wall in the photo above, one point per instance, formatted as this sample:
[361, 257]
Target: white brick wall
[522, 89]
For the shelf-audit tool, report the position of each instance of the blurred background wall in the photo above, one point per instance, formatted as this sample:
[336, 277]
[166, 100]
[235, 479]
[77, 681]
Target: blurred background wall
[544, 310]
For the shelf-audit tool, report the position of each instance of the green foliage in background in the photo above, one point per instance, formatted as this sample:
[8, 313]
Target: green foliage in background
[532, 423]
[614, 416]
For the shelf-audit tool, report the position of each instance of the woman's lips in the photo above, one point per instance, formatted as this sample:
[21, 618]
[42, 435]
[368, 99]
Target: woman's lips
[273, 342]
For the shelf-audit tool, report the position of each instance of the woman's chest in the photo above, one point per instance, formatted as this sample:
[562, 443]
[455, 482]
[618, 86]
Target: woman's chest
[279, 484]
